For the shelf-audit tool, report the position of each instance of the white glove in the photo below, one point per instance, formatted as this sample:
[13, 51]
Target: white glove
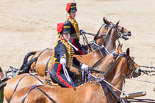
[84, 67]
[63, 61]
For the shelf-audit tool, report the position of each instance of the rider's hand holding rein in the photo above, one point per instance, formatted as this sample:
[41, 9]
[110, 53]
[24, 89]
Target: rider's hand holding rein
[84, 67]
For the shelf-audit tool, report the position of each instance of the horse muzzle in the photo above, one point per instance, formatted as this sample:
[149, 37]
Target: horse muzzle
[136, 73]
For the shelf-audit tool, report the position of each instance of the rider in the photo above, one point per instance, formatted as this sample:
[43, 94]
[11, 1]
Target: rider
[63, 56]
[71, 10]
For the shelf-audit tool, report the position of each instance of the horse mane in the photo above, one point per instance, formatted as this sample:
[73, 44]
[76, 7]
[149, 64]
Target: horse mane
[107, 37]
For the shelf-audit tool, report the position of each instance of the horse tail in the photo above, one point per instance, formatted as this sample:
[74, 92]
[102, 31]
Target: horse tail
[26, 59]
[26, 67]
[3, 85]
[27, 56]
[31, 61]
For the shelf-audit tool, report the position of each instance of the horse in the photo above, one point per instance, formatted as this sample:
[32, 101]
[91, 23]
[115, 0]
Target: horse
[101, 34]
[23, 80]
[11, 84]
[94, 91]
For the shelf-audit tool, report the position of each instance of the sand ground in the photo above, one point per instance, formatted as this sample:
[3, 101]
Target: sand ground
[29, 25]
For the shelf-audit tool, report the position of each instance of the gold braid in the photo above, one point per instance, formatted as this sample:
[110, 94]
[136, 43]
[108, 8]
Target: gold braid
[70, 53]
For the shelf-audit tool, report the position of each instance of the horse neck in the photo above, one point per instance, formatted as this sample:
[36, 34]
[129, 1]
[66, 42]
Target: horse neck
[110, 42]
[115, 77]
[105, 63]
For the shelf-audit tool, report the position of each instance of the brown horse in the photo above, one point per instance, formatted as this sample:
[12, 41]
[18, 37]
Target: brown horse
[92, 92]
[100, 36]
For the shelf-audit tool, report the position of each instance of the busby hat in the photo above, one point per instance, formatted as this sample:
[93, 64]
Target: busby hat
[63, 28]
[71, 7]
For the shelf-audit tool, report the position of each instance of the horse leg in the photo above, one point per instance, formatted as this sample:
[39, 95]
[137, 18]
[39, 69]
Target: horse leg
[26, 67]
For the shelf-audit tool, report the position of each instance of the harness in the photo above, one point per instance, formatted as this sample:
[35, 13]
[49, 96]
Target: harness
[47, 64]
[96, 46]
[105, 25]
[91, 69]
[36, 87]
[19, 82]
[107, 86]
[38, 57]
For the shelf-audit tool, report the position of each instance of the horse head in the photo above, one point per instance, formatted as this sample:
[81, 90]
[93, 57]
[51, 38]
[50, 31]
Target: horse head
[133, 69]
[123, 32]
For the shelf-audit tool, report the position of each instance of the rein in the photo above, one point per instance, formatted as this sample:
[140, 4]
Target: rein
[93, 34]
[148, 72]
[148, 67]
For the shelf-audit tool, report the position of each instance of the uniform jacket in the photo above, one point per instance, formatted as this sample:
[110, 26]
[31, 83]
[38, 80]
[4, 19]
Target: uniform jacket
[74, 28]
[64, 50]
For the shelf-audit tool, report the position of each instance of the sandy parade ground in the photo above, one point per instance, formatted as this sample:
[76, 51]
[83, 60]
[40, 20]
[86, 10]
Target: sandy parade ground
[30, 25]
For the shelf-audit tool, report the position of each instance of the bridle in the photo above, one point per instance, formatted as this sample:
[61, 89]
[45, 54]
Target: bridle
[130, 65]
[95, 45]
[120, 31]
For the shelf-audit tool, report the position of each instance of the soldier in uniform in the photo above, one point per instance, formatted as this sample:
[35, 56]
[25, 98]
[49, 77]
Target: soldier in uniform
[74, 39]
[63, 57]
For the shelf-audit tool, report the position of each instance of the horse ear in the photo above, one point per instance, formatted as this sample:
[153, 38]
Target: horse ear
[104, 20]
[117, 24]
[128, 51]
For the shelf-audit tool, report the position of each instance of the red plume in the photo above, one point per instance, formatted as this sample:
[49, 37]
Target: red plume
[68, 6]
[60, 27]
